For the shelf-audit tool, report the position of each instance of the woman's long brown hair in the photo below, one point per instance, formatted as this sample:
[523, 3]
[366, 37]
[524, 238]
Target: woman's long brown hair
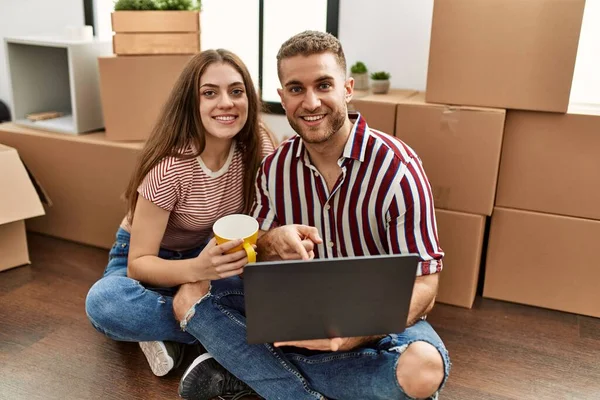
[179, 125]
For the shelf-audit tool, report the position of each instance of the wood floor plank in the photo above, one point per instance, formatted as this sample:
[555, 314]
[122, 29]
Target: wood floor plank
[48, 349]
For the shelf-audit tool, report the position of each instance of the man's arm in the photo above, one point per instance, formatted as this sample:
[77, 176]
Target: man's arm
[423, 297]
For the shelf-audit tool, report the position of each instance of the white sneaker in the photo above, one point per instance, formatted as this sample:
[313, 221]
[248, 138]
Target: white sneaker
[162, 356]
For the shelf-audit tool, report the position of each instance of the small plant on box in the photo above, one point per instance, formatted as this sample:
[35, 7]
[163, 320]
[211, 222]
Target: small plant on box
[358, 68]
[361, 78]
[149, 5]
[135, 5]
[380, 76]
[380, 82]
[180, 5]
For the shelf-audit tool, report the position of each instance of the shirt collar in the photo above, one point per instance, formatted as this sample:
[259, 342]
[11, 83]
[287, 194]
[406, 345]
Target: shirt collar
[357, 141]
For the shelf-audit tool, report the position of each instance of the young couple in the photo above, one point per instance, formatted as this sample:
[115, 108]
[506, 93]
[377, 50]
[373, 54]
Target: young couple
[338, 189]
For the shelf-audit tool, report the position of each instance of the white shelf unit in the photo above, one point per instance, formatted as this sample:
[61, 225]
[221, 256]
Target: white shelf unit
[56, 74]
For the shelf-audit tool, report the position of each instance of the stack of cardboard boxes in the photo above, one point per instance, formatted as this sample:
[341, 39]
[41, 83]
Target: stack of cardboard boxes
[546, 224]
[487, 61]
[151, 48]
[84, 175]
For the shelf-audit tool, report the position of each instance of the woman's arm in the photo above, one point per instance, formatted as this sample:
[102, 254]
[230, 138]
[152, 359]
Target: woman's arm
[147, 230]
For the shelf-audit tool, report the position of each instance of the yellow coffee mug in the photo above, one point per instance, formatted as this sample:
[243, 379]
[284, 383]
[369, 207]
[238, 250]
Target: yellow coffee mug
[234, 227]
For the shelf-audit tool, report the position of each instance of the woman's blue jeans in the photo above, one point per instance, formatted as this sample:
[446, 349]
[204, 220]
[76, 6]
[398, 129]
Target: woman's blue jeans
[125, 309]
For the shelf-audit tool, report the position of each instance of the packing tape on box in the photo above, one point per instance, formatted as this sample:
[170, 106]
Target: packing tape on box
[449, 120]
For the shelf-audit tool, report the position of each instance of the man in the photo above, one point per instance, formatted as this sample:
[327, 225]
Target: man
[338, 189]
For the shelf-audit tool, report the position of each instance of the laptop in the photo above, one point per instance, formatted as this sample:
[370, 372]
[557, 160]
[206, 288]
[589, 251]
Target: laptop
[325, 298]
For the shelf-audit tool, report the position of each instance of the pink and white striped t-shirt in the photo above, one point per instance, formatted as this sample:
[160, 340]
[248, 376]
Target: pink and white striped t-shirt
[194, 195]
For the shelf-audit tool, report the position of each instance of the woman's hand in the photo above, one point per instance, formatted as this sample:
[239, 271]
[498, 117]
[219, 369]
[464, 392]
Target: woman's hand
[212, 263]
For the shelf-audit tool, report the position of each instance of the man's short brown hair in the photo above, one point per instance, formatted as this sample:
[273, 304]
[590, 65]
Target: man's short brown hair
[308, 43]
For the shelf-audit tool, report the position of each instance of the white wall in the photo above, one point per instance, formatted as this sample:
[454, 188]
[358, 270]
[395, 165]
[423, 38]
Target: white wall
[586, 79]
[33, 17]
[389, 35]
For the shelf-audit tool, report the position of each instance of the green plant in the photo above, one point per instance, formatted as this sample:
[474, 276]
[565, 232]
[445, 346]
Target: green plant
[136, 5]
[380, 76]
[358, 68]
[143, 5]
[181, 5]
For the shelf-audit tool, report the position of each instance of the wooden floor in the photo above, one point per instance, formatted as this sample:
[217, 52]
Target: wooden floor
[48, 350]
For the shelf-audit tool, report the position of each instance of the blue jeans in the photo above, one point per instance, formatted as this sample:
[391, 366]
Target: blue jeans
[219, 323]
[127, 310]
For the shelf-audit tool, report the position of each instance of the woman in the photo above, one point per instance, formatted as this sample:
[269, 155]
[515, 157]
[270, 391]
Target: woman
[198, 165]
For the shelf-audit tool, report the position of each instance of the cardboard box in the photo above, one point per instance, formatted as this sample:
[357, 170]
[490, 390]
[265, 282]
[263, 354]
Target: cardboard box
[543, 260]
[19, 201]
[460, 149]
[127, 44]
[156, 32]
[461, 237]
[380, 109]
[133, 91]
[85, 176]
[550, 163]
[517, 54]
[155, 21]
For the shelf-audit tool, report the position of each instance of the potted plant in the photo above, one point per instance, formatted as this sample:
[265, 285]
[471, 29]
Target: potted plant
[360, 74]
[156, 27]
[135, 5]
[380, 82]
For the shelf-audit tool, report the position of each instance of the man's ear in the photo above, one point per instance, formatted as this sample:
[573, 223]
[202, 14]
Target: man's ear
[280, 93]
[349, 89]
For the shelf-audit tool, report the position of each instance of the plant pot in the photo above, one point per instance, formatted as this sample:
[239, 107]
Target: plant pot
[156, 32]
[361, 81]
[380, 86]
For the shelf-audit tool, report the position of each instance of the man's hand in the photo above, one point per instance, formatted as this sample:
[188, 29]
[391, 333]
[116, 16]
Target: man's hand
[333, 344]
[288, 242]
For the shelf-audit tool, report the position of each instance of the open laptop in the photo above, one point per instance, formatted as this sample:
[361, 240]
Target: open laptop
[339, 297]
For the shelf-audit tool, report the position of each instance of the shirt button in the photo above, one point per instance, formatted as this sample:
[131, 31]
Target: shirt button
[327, 207]
[330, 244]
[316, 173]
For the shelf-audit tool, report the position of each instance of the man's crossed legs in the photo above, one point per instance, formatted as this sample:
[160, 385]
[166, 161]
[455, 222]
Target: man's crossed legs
[412, 364]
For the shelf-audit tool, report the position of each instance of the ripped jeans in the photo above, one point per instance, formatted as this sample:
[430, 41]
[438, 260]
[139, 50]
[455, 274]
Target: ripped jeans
[124, 309]
[218, 321]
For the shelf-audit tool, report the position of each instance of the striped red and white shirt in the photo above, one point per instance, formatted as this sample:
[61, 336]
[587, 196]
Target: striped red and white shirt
[381, 204]
[195, 196]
